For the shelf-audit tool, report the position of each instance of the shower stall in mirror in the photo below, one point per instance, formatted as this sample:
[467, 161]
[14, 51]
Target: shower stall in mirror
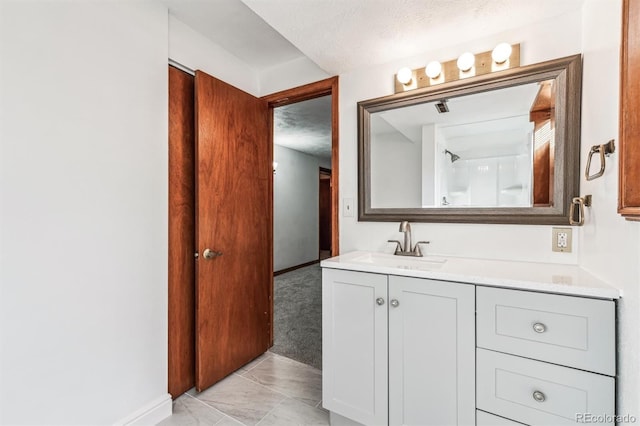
[488, 149]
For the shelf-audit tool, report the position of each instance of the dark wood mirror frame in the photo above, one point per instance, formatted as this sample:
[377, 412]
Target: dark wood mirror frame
[567, 73]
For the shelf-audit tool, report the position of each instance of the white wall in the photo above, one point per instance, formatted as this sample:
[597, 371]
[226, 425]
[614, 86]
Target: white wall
[83, 211]
[295, 208]
[430, 136]
[396, 171]
[294, 73]
[193, 50]
[609, 245]
[543, 41]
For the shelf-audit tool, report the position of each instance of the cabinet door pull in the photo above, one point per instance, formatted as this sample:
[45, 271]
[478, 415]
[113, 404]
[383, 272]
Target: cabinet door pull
[380, 301]
[539, 396]
[394, 303]
[539, 327]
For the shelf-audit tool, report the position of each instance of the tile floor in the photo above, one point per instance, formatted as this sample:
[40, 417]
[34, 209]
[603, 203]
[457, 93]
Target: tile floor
[271, 390]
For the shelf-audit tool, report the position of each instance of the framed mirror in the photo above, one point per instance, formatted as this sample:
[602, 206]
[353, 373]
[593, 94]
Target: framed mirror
[497, 148]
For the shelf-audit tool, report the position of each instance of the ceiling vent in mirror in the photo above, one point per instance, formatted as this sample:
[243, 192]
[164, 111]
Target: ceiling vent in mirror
[442, 106]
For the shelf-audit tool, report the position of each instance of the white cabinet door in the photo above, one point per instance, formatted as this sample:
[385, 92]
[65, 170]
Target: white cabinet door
[354, 345]
[431, 352]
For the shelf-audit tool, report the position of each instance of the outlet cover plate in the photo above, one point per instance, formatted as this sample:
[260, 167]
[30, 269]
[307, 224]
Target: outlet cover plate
[561, 240]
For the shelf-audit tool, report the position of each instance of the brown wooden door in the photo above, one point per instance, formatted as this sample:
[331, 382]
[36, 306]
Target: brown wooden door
[324, 204]
[629, 172]
[233, 217]
[181, 233]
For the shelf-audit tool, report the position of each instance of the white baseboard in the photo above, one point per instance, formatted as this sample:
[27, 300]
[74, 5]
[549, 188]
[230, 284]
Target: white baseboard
[149, 415]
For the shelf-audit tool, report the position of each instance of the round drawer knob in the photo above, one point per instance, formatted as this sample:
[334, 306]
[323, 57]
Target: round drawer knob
[539, 327]
[394, 303]
[539, 396]
[380, 301]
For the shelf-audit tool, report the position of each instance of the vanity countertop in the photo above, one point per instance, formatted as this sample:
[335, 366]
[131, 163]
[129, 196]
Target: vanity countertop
[547, 277]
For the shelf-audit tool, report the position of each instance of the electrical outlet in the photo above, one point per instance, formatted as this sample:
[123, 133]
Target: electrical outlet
[561, 240]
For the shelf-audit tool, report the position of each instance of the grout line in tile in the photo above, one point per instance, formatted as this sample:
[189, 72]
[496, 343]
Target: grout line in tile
[224, 417]
[216, 409]
[277, 391]
[266, 387]
[209, 406]
[246, 371]
[270, 411]
[284, 397]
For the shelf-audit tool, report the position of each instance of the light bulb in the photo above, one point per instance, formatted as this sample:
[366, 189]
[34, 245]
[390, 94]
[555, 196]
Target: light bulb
[404, 75]
[501, 53]
[433, 69]
[466, 61]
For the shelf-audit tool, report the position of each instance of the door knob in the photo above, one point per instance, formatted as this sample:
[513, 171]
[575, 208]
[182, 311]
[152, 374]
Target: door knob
[380, 301]
[394, 303]
[210, 254]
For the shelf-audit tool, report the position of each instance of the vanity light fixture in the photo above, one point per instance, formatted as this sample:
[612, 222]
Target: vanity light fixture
[433, 69]
[504, 56]
[405, 75]
[466, 61]
[501, 53]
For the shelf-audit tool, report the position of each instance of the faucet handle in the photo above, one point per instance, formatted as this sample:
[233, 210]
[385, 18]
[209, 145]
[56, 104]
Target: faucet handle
[398, 245]
[417, 250]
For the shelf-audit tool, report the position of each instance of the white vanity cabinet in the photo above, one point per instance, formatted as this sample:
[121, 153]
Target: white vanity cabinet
[398, 350]
[545, 359]
[451, 341]
[354, 345]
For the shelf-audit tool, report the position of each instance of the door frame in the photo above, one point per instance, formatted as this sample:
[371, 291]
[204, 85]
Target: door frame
[320, 88]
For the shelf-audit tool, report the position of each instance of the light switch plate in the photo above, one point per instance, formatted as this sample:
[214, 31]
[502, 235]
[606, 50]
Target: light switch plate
[561, 240]
[347, 207]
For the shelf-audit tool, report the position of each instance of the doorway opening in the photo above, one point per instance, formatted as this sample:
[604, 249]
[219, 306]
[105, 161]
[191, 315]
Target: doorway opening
[301, 159]
[305, 142]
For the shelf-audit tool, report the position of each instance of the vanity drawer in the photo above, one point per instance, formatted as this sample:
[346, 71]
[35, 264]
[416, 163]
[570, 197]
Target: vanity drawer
[538, 393]
[573, 331]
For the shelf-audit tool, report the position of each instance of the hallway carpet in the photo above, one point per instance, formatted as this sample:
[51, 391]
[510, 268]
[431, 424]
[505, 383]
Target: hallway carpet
[297, 299]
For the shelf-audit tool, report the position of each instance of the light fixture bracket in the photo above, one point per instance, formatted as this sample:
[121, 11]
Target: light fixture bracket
[484, 64]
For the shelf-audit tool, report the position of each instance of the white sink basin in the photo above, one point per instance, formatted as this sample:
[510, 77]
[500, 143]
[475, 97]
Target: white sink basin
[427, 263]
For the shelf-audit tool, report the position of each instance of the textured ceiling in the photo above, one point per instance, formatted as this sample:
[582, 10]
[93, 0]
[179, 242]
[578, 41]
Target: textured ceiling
[340, 35]
[305, 126]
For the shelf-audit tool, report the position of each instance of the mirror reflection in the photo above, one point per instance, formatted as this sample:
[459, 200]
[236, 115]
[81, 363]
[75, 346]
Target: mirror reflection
[487, 149]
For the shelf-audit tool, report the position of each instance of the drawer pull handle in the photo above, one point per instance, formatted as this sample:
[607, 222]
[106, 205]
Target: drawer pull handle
[539, 396]
[539, 327]
[380, 301]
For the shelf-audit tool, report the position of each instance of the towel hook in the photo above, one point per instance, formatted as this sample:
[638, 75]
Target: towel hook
[604, 150]
[581, 202]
